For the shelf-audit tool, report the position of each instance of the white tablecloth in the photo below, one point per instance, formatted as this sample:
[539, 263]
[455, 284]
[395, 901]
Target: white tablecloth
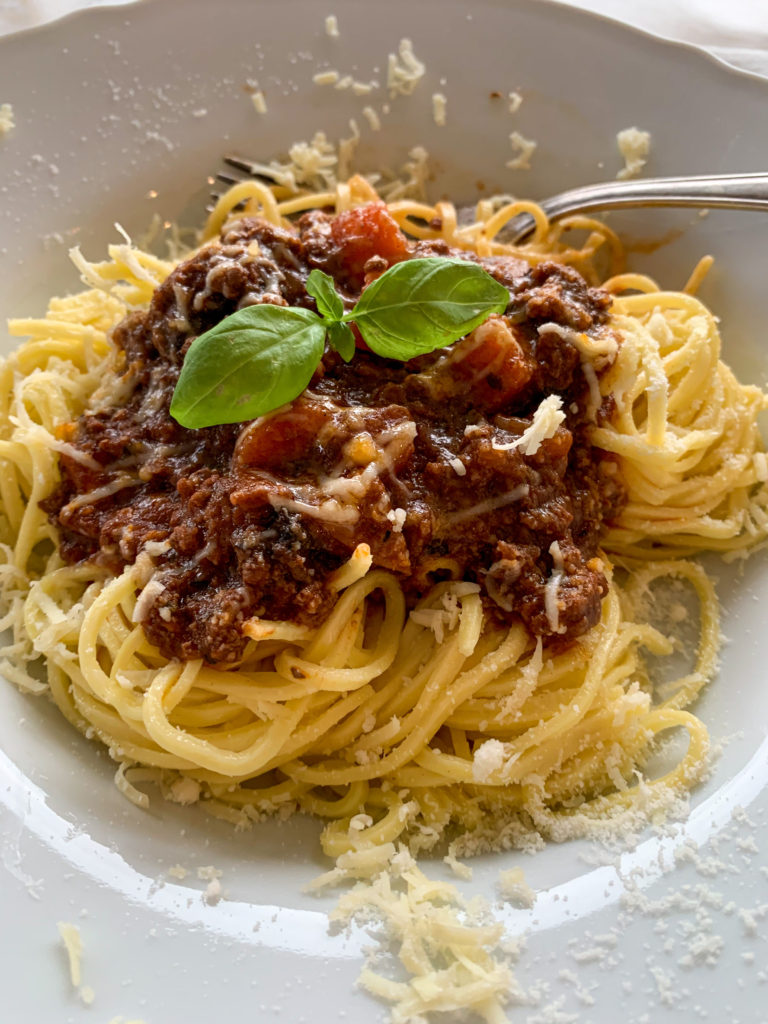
[735, 30]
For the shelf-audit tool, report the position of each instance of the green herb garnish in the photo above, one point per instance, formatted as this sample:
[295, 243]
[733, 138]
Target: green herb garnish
[264, 356]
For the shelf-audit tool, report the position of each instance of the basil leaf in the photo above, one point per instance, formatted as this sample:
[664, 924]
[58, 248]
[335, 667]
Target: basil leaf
[252, 362]
[419, 305]
[322, 289]
[342, 339]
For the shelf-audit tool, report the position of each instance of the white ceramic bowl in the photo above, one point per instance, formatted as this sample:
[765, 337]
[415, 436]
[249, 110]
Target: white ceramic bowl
[122, 113]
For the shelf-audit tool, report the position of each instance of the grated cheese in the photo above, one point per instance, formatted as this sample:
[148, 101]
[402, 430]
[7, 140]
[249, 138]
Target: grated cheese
[373, 118]
[397, 517]
[590, 348]
[439, 104]
[546, 419]
[760, 463]
[404, 70]
[7, 121]
[489, 505]
[330, 511]
[332, 26]
[515, 102]
[184, 791]
[450, 951]
[514, 888]
[213, 892]
[207, 873]
[326, 78]
[146, 599]
[523, 149]
[358, 822]
[488, 760]
[259, 103]
[459, 869]
[73, 943]
[634, 146]
[551, 606]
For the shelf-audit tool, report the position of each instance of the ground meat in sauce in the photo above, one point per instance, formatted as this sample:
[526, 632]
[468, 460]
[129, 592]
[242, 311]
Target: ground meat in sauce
[251, 519]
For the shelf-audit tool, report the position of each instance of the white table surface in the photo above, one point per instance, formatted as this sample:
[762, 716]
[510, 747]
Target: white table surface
[735, 30]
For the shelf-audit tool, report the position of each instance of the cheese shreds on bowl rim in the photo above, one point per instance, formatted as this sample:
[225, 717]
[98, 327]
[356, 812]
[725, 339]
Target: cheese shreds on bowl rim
[634, 146]
[7, 121]
[404, 70]
[523, 149]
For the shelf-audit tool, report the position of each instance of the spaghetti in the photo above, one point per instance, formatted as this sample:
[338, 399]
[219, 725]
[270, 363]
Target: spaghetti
[395, 724]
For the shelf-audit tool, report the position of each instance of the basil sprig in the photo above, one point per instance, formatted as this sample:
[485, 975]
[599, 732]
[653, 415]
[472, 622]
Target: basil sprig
[264, 356]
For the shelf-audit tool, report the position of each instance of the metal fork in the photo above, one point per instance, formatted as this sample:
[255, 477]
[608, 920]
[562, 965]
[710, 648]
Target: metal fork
[710, 191]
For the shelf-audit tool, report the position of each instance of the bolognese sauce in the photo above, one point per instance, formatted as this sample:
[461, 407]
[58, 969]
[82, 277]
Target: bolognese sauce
[420, 460]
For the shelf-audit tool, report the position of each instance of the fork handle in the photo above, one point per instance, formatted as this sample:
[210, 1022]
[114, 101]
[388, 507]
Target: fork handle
[732, 191]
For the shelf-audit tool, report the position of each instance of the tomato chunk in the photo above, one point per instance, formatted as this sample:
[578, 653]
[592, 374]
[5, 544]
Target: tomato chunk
[493, 363]
[281, 439]
[365, 232]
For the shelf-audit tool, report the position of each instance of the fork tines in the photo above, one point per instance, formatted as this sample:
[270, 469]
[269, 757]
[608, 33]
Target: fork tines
[242, 170]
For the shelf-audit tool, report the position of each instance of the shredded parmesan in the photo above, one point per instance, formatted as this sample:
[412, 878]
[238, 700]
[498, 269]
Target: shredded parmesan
[332, 26]
[439, 105]
[448, 946]
[326, 78]
[515, 102]
[546, 419]
[514, 888]
[213, 892]
[70, 936]
[7, 121]
[397, 516]
[523, 149]
[595, 398]
[404, 70]
[489, 505]
[551, 606]
[90, 497]
[590, 348]
[634, 146]
[331, 511]
[488, 760]
[373, 118]
[146, 599]
[259, 103]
